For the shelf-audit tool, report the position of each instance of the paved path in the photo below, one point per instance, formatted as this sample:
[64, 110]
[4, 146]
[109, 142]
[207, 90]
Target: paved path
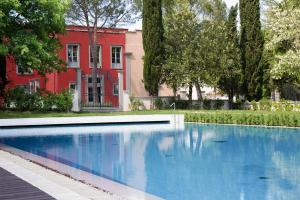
[14, 188]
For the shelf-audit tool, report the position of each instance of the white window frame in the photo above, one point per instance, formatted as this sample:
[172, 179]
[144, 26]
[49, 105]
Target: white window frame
[113, 88]
[73, 64]
[72, 83]
[29, 72]
[99, 64]
[34, 84]
[118, 65]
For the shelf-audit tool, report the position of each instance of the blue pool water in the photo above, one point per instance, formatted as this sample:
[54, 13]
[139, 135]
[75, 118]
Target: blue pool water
[207, 162]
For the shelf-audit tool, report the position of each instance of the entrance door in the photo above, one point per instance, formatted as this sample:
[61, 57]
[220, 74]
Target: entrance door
[100, 89]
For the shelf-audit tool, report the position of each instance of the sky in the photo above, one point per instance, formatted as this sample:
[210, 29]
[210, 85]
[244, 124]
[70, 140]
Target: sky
[138, 25]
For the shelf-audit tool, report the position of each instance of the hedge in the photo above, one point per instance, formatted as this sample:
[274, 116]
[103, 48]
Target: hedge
[288, 119]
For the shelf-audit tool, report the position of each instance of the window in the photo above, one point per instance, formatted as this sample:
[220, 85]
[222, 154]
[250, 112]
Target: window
[99, 57]
[34, 85]
[73, 55]
[116, 58]
[72, 87]
[22, 71]
[115, 89]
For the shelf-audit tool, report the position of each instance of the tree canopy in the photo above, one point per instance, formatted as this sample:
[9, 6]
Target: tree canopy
[28, 32]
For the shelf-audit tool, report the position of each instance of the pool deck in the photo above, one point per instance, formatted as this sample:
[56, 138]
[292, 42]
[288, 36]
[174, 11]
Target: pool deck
[14, 188]
[176, 120]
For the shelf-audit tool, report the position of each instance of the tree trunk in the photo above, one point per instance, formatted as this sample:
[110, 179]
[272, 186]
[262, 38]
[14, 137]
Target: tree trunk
[230, 100]
[3, 80]
[174, 88]
[94, 72]
[199, 92]
[190, 96]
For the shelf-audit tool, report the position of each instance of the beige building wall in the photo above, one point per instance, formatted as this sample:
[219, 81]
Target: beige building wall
[134, 64]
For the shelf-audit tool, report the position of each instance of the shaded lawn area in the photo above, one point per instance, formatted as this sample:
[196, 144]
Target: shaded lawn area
[244, 117]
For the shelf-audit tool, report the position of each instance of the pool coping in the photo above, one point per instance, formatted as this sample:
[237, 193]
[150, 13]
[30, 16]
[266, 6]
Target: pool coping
[103, 184]
[174, 119]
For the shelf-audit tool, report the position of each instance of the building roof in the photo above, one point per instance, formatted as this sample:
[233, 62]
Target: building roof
[100, 30]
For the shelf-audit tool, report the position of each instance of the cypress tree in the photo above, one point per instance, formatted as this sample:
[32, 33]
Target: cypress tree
[251, 49]
[153, 45]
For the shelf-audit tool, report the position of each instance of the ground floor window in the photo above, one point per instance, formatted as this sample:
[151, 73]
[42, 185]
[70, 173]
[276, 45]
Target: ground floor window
[115, 89]
[34, 85]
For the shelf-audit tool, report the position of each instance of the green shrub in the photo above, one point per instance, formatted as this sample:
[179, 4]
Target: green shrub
[254, 105]
[254, 118]
[287, 105]
[238, 105]
[135, 104]
[158, 103]
[20, 100]
[182, 104]
[218, 104]
[277, 106]
[265, 104]
[63, 101]
[207, 104]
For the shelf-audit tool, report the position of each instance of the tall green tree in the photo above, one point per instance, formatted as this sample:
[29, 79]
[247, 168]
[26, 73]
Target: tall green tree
[283, 44]
[230, 71]
[28, 32]
[251, 43]
[181, 40]
[153, 41]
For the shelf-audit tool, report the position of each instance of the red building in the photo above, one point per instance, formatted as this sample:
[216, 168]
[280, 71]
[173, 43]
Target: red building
[76, 53]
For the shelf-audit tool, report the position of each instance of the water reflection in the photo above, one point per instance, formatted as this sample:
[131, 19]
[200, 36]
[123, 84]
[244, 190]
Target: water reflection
[200, 162]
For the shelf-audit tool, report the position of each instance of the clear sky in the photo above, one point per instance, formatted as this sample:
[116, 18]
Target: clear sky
[138, 25]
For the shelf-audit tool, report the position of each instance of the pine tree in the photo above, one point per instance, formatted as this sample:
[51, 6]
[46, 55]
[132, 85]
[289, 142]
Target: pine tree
[153, 45]
[251, 44]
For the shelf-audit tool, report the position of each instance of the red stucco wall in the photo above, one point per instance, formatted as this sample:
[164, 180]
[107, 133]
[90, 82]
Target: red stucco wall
[59, 81]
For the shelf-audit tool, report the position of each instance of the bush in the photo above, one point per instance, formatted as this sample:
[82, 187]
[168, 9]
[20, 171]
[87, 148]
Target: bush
[135, 104]
[207, 104]
[182, 104]
[158, 103]
[287, 105]
[63, 101]
[265, 104]
[248, 118]
[218, 104]
[238, 105]
[254, 105]
[20, 100]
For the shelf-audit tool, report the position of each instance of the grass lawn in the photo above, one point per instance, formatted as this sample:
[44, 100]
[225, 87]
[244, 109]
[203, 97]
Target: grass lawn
[247, 117]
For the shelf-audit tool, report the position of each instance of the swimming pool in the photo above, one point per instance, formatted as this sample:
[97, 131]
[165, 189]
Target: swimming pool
[200, 162]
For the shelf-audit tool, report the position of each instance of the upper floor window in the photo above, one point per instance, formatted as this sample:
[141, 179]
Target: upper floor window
[116, 57]
[21, 70]
[99, 57]
[73, 55]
